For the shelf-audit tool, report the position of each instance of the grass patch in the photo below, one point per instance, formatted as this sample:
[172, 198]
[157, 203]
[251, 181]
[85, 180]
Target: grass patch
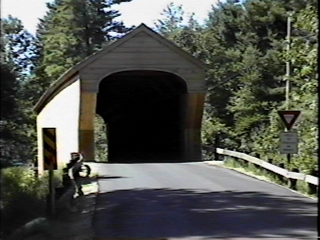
[23, 196]
[233, 164]
[263, 174]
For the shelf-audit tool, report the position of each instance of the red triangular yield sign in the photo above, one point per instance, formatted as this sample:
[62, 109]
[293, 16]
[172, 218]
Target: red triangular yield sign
[289, 117]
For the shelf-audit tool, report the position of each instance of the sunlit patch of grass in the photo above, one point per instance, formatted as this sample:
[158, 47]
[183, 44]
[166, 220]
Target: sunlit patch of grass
[263, 174]
[236, 166]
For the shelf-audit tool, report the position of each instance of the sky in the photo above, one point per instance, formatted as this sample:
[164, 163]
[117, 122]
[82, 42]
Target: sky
[133, 13]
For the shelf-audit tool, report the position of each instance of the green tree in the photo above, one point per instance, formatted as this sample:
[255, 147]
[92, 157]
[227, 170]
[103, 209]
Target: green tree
[245, 38]
[176, 26]
[9, 86]
[75, 29]
[16, 62]
[304, 78]
[17, 45]
[171, 22]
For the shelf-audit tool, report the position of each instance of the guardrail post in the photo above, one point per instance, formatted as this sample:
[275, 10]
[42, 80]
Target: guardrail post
[216, 145]
[312, 189]
[280, 177]
[259, 168]
[274, 175]
[242, 162]
[293, 182]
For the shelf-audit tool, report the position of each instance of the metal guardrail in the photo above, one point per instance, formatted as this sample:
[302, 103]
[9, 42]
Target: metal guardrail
[281, 171]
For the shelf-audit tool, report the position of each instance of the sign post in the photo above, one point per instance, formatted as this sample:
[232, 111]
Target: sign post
[289, 138]
[52, 190]
[50, 163]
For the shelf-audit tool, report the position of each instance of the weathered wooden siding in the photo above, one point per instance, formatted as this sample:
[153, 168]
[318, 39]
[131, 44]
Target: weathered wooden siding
[86, 125]
[62, 113]
[194, 112]
[142, 52]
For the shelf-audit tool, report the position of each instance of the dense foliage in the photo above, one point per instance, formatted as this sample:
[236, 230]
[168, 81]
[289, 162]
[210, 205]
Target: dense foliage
[17, 125]
[243, 42]
[23, 197]
[246, 47]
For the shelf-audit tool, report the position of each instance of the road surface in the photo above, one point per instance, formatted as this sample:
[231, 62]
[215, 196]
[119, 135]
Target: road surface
[196, 201]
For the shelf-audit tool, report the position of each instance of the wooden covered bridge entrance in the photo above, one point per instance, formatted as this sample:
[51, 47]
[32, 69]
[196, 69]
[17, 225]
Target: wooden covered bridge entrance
[148, 91]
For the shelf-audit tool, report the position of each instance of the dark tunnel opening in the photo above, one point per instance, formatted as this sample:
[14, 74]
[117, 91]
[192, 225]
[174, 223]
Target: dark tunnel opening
[143, 112]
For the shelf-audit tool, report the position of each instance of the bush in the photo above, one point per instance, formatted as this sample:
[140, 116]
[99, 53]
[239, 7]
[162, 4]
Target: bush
[23, 197]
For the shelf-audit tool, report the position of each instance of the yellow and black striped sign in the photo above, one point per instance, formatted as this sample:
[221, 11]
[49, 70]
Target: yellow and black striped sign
[49, 148]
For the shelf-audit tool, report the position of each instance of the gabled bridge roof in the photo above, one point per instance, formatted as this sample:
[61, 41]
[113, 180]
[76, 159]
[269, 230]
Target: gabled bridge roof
[72, 74]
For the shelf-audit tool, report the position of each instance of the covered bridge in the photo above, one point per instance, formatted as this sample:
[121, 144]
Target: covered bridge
[148, 91]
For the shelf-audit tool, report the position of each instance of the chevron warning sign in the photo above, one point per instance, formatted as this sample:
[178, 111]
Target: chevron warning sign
[49, 148]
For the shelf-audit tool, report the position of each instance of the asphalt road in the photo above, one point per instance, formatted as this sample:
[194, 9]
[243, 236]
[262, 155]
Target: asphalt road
[196, 201]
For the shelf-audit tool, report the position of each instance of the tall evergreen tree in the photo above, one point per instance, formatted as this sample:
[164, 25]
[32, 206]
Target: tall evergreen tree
[9, 87]
[74, 29]
[171, 22]
[16, 63]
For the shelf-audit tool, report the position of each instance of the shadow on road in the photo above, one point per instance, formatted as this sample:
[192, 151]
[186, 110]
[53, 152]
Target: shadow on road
[169, 213]
[109, 177]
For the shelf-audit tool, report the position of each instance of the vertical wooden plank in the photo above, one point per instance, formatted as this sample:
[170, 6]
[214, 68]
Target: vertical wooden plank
[52, 203]
[86, 128]
[40, 148]
[195, 103]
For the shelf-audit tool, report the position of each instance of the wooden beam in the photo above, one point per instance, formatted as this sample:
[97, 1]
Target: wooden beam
[86, 126]
[194, 112]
